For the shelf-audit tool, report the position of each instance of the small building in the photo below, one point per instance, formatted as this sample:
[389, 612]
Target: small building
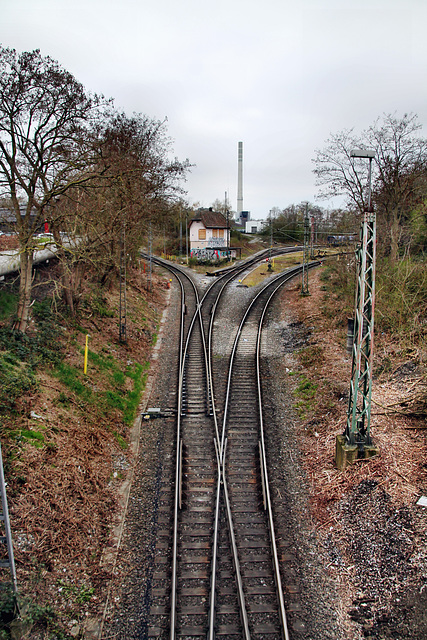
[243, 218]
[255, 226]
[8, 219]
[209, 234]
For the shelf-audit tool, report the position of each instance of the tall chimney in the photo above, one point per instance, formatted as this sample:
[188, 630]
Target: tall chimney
[240, 180]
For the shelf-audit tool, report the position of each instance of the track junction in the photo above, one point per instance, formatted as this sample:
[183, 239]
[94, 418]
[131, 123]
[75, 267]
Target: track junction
[218, 566]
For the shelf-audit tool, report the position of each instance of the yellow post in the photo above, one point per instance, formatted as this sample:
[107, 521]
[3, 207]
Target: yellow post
[86, 352]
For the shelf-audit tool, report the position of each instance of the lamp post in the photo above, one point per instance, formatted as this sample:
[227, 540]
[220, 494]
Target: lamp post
[356, 441]
[306, 253]
[370, 155]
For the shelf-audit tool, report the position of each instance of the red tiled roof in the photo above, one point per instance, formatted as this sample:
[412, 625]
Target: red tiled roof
[211, 219]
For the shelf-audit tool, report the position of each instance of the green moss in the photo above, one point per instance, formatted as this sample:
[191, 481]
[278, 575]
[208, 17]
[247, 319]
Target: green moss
[115, 400]
[33, 437]
[71, 378]
[121, 441]
[119, 377]
[305, 392]
[8, 304]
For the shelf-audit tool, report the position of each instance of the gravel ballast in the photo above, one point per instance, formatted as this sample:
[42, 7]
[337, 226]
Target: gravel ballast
[360, 566]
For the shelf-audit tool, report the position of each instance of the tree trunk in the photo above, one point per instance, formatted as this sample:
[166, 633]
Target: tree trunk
[67, 284]
[25, 286]
[66, 275]
[394, 239]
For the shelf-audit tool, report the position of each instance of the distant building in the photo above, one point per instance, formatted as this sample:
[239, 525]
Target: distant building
[209, 229]
[8, 218]
[255, 226]
[209, 235]
[243, 217]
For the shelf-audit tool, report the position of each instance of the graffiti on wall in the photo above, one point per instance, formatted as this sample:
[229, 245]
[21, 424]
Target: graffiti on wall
[208, 254]
[215, 242]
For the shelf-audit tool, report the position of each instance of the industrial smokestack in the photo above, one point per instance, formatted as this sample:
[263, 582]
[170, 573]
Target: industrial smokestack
[240, 180]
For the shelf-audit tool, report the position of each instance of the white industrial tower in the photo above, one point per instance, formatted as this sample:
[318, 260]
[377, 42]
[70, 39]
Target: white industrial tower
[240, 181]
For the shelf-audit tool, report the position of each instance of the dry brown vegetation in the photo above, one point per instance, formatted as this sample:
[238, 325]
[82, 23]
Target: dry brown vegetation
[367, 517]
[66, 452]
[398, 431]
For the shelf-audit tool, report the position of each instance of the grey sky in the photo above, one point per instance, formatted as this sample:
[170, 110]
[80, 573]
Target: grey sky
[278, 75]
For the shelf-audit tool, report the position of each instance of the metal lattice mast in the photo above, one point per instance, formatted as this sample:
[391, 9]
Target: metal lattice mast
[359, 407]
[306, 254]
[150, 251]
[122, 304]
[311, 238]
[8, 562]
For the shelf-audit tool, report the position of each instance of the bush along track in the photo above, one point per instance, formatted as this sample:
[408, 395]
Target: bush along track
[65, 439]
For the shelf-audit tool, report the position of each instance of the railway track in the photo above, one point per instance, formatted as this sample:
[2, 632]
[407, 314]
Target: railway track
[217, 570]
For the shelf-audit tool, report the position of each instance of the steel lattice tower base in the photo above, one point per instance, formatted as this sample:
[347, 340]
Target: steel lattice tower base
[356, 441]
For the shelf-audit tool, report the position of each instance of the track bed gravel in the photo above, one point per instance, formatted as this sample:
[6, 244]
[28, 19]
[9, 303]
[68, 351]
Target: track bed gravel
[354, 567]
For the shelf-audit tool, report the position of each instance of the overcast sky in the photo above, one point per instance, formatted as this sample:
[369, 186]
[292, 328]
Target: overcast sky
[278, 75]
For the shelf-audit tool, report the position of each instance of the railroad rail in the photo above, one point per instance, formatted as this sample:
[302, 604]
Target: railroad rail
[224, 579]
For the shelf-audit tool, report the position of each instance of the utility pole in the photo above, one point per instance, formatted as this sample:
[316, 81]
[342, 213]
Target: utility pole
[306, 253]
[186, 235]
[180, 232]
[356, 441]
[227, 231]
[311, 237]
[7, 538]
[150, 249]
[122, 303]
[270, 261]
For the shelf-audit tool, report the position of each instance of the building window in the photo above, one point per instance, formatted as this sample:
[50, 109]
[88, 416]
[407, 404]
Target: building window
[202, 234]
[220, 233]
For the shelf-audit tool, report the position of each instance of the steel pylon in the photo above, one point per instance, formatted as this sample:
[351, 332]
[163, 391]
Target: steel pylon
[306, 254]
[7, 558]
[122, 302]
[359, 407]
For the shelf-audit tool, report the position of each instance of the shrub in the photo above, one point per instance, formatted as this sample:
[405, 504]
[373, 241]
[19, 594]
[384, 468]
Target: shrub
[401, 300]
[401, 297]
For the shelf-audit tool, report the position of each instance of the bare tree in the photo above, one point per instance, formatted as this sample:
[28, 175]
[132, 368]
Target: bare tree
[45, 117]
[398, 172]
[136, 186]
[337, 174]
[401, 159]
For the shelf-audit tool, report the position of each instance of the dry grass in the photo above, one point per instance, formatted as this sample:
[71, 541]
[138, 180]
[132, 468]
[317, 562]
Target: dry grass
[63, 487]
[366, 516]
[401, 437]
[280, 263]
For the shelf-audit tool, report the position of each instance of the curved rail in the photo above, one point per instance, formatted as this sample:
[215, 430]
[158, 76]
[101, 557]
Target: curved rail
[178, 466]
[220, 440]
[276, 284]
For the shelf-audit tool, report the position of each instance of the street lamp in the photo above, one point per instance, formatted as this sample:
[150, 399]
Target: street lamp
[356, 441]
[370, 154]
